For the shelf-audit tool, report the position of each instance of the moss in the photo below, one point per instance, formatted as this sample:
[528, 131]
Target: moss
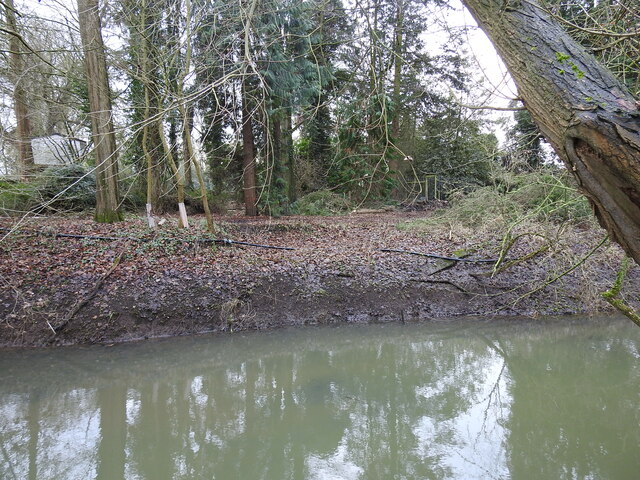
[612, 295]
[15, 197]
[108, 216]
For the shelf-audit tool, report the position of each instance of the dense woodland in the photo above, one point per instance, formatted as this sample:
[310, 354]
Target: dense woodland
[206, 103]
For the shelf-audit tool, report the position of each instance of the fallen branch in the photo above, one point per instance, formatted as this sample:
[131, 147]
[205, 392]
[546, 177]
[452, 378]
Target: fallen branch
[79, 305]
[508, 242]
[566, 272]
[524, 258]
[448, 266]
[35, 233]
[445, 282]
[440, 257]
[217, 241]
[226, 241]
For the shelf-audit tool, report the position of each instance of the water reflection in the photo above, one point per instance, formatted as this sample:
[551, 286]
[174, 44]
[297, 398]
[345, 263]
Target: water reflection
[461, 400]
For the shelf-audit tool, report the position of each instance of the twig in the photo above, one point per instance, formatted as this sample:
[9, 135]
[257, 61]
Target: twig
[219, 241]
[79, 305]
[566, 272]
[445, 282]
[441, 257]
[226, 241]
[612, 295]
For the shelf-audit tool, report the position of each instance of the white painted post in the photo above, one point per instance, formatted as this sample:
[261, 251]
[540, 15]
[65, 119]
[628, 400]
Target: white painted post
[183, 215]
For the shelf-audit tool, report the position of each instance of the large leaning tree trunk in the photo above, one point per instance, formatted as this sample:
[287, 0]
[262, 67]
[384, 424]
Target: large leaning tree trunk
[586, 114]
[104, 138]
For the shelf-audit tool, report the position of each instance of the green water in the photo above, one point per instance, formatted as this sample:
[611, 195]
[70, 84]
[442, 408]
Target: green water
[543, 400]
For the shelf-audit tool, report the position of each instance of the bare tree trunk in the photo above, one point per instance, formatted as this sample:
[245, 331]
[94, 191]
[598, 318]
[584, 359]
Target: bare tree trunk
[21, 109]
[275, 180]
[183, 221]
[398, 59]
[186, 161]
[248, 150]
[287, 132]
[189, 150]
[190, 154]
[248, 159]
[588, 116]
[152, 184]
[148, 136]
[104, 139]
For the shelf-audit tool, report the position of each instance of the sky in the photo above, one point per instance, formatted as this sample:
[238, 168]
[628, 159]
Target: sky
[497, 87]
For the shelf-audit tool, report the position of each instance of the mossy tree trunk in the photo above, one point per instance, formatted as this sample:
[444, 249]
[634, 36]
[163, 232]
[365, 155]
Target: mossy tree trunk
[248, 157]
[20, 107]
[586, 114]
[104, 139]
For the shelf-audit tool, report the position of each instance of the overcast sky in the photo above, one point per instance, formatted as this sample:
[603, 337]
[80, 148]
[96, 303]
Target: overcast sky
[496, 86]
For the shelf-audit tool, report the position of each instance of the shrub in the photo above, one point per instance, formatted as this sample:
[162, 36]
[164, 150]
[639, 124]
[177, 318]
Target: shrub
[322, 202]
[218, 201]
[67, 187]
[542, 196]
[549, 196]
[15, 197]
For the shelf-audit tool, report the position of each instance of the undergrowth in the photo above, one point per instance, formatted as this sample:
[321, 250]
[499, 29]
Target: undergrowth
[544, 198]
[536, 218]
[322, 202]
[65, 188]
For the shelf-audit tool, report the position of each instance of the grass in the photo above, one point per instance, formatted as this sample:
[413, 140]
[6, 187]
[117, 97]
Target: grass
[544, 197]
[539, 223]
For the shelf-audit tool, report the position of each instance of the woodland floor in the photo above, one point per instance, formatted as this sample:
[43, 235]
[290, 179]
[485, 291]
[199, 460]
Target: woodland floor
[62, 290]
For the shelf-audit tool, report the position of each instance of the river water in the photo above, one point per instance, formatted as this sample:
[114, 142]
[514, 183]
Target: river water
[550, 399]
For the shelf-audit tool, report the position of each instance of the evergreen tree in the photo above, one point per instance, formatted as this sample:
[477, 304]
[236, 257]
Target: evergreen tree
[526, 142]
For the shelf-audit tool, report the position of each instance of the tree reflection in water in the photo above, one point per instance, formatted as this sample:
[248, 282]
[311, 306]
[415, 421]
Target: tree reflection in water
[463, 400]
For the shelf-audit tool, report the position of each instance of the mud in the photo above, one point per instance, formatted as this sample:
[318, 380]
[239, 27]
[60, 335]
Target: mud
[171, 285]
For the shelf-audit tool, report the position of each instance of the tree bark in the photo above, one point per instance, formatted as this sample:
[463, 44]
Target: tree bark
[398, 59]
[586, 114]
[151, 184]
[185, 108]
[186, 161]
[178, 175]
[292, 186]
[20, 107]
[248, 159]
[104, 139]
